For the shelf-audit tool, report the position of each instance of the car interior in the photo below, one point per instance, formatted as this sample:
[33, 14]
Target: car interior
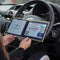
[38, 10]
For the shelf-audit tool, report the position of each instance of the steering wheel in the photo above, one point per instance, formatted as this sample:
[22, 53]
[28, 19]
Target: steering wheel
[35, 17]
[49, 8]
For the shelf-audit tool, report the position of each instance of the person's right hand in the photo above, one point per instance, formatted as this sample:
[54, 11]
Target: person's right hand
[25, 43]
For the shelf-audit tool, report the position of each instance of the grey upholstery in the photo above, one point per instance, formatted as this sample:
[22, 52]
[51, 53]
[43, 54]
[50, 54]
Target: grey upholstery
[3, 22]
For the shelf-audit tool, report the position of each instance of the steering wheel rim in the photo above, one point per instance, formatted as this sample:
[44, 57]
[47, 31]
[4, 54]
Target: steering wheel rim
[51, 12]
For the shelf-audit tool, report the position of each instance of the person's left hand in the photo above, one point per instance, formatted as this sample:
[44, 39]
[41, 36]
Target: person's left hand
[8, 39]
[25, 43]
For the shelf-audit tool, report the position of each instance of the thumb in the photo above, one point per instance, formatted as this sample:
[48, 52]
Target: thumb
[26, 39]
[29, 41]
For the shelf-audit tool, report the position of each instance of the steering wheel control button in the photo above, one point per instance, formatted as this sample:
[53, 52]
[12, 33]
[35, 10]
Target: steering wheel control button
[54, 34]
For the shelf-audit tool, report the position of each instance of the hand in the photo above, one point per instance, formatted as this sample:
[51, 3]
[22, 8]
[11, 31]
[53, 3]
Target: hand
[25, 43]
[8, 39]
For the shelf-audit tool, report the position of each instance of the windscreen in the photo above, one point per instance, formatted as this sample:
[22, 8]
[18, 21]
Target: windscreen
[24, 1]
[2, 0]
[54, 1]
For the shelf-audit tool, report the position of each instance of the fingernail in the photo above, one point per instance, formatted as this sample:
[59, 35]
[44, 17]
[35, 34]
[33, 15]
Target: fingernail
[27, 37]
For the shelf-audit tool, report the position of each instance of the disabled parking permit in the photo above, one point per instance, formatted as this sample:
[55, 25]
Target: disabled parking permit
[35, 30]
[16, 27]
